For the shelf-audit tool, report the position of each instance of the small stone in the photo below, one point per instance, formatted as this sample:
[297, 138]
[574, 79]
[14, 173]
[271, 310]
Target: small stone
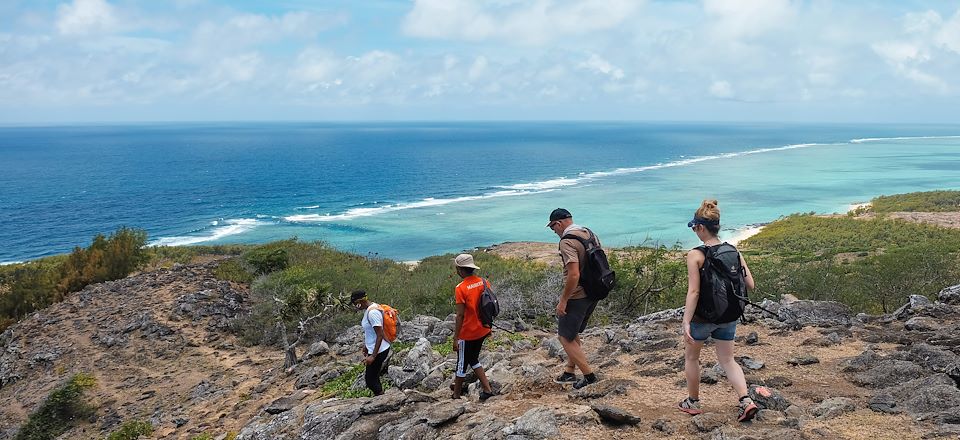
[663, 426]
[922, 324]
[803, 360]
[280, 405]
[833, 407]
[707, 422]
[615, 416]
[752, 338]
[749, 363]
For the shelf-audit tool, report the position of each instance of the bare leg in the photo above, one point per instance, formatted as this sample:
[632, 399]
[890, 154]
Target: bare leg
[457, 387]
[575, 354]
[571, 367]
[731, 367]
[483, 379]
[691, 367]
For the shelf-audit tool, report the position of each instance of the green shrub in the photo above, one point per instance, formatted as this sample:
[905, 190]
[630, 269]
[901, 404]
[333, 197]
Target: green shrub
[233, 270]
[202, 436]
[107, 258]
[340, 387]
[930, 201]
[62, 409]
[268, 258]
[131, 430]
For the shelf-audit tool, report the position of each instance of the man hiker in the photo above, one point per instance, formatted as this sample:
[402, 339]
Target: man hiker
[469, 332]
[573, 308]
[376, 348]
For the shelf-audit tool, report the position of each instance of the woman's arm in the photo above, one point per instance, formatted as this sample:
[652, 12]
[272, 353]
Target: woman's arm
[694, 262]
[748, 278]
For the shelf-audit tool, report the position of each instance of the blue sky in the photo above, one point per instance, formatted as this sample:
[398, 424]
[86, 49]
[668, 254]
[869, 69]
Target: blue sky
[709, 60]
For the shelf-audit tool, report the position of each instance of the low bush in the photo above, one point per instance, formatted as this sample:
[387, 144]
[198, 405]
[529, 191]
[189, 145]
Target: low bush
[929, 201]
[131, 430]
[63, 408]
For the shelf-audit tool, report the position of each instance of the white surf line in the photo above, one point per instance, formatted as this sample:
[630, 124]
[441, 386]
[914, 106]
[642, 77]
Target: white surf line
[901, 138]
[230, 227]
[521, 189]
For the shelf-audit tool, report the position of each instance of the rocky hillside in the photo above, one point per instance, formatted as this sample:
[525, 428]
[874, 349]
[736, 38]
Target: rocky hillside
[158, 347]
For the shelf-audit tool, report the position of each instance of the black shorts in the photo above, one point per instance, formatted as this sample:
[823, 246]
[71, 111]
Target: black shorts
[469, 355]
[575, 321]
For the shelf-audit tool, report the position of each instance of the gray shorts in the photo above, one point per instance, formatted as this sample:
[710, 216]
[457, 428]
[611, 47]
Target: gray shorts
[575, 321]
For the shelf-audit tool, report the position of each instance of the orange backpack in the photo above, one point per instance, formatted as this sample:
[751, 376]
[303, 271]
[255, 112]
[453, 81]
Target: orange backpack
[391, 322]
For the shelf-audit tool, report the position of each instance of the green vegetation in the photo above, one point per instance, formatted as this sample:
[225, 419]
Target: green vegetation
[316, 279]
[202, 436]
[340, 387]
[649, 279]
[64, 407]
[873, 265]
[806, 237]
[131, 430]
[930, 201]
[31, 286]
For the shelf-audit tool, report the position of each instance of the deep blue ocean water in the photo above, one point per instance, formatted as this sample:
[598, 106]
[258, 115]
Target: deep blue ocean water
[408, 190]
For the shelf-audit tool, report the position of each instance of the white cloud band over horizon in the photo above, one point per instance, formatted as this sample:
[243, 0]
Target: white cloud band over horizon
[750, 60]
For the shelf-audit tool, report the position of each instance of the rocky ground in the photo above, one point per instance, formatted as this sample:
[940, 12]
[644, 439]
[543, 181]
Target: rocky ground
[157, 344]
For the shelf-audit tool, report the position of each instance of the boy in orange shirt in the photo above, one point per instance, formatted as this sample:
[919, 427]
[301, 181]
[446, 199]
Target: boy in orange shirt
[469, 333]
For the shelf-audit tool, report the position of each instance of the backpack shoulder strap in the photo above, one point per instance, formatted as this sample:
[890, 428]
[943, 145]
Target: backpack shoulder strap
[585, 242]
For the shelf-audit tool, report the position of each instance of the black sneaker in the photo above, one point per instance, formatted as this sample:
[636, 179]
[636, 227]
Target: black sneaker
[587, 380]
[485, 395]
[566, 378]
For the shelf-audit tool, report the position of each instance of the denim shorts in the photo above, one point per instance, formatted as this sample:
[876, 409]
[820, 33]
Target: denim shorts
[720, 332]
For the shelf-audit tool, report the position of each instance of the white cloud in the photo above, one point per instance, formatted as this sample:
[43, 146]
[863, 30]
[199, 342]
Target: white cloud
[598, 64]
[527, 23]
[86, 17]
[721, 89]
[743, 19]
[949, 34]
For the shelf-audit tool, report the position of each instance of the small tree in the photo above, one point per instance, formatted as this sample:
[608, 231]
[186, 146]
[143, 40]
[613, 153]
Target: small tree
[649, 278]
[894, 275]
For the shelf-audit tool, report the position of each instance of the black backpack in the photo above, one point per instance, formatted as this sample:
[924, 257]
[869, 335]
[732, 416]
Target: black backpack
[596, 277]
[487, 306]
[723, 290]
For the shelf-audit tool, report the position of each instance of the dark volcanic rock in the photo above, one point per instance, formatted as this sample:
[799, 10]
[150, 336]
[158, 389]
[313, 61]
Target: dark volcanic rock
[816, 313]
[614, 415]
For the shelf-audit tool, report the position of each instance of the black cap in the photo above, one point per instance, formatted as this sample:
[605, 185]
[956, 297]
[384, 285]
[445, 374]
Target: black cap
[559, 214]
[357, 294]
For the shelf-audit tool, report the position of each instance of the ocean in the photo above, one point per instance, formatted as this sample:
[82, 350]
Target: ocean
[410, 190]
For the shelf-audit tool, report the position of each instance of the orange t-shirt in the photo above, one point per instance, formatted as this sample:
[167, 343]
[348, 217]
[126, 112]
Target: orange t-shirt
[468, 293]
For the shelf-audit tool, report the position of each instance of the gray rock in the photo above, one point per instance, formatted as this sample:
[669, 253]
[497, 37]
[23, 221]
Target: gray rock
[768, 398]
[328, 420]
[803, 360]
[884, 403]
[441, 333]
[752, 338]
[888, 373]
[554, 348]
[913, 303]
[419, 327]
[861, 362]
[603, 388]
[671, 315]
[749, 363]
[443, 413]
[928, 356]
[815, 313]
[833, 407]
[280, 405]
[922, 324]
[415, 366]
[950, 295]
[389, 401]
[537, 423]
[664, 426]
[823, 341]
[707, 422]
[318, 348]
[933, 400]
[614, 415]
[408, 428]
[709, 376]
[282, 426]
